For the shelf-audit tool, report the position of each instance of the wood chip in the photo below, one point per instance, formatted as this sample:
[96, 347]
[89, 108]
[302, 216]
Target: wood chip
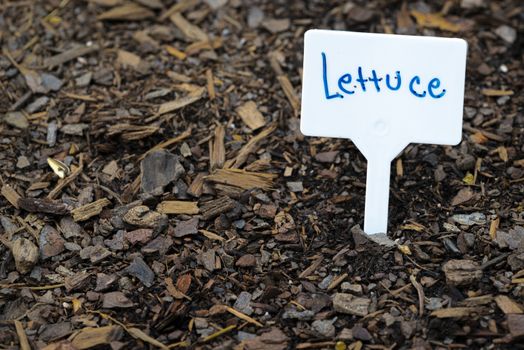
[210, 84]
[179, 6]
[37, 205]
[243, 316]
[11, 195]
[250, 147]
[139, 334]
[508, 305]
[197, 185]
[251, 116]
[461, 272]
[22, 336]
[87, 211]
[453, 312]
[216, 207]
[181, 102]
[212, 235]
[127, 12]
[496, 93]
[178, 207]
[290, 93]
[173, 51]
[312, 268]
[191, 31]
[89, 337]
[243, 179]
[173, 291]
[69, 55]
[217, 152]
[436, 20]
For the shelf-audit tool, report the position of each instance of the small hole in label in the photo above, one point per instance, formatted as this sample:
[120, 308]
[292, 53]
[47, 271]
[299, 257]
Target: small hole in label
[381, 128]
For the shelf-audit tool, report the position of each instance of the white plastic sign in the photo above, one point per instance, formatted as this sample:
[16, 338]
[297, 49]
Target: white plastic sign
[383, 92]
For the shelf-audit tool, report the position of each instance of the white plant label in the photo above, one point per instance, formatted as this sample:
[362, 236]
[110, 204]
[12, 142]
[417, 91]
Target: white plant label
[383, 92]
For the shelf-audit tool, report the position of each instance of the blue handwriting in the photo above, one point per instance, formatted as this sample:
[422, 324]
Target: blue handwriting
[392, 83]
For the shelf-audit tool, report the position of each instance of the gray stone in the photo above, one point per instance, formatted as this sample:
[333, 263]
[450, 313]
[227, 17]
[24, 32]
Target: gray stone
[352, 288]
[74, 129]
[511, 240]
[69, 228]
[506, 33]
[72, 247]
[50, 82]
[159, 168]
[255, 16]
[22, 162]
[349, 304]
[139, 269]
[17, 120]
[242, 303]
[470, 219]
[298, 315]
[84, 80]
[51, 133]
[104, 282]
[324, 327]
[295, 186]
[187, 227]
[51, 243]
[37, 104]
[241, 336]
[208, 259]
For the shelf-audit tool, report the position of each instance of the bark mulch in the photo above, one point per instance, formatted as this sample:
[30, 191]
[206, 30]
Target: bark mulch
[156, 191]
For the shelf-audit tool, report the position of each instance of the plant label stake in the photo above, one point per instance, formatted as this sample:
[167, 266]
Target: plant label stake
[383, 92]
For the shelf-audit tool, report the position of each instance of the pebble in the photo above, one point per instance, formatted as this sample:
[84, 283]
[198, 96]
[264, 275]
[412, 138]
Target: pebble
[37, 104]
[16, 120]
[255, 16]
[361, 333]
[243, 302]
[295, 186]
[84, 80]
[461, 272]
[188, 227]
[324, 327]
[74, 129]
[22, 162]
[116, 300]
[208, 259]
[142, 236]
[159, 168]
[470, 219]
[50, 82]
[516, 325]
[139, 269]
[506, 33]
[241, 336]
[349, 304]
[352, 288]
[247, 260]
[72, 247]
[70, 228]
[511, 239]
[25, 254]
[326, 157]
[95, 253]
[116, 242]
[298, 315]
[51, 133]
[325, 282]
[51, 243]
[104, 282]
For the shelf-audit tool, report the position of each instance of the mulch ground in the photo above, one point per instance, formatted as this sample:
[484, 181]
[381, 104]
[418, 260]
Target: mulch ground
[156, 191]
